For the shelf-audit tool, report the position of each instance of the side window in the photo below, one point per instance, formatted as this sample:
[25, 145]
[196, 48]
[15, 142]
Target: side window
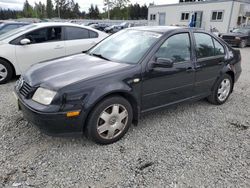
[204, 45]
[218, 48]
[49, 34]
[176, 48]
[74, 33]
[93, 34]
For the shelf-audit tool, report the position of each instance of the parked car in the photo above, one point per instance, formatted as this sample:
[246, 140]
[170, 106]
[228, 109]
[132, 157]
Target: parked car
[8, 26]
[128, 74]
[30, 44]
[113, 29]
[116, 28]
[239, 37]
[100, 27]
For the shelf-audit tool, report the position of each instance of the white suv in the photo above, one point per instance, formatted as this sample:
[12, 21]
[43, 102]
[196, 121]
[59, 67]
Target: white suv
[22, 47]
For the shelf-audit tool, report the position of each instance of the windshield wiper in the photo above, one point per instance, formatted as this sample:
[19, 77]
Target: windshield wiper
[100, 56]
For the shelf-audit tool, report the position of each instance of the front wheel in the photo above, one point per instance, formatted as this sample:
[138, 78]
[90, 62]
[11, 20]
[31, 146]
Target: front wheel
[110, 120]
[6, 72]
[221, 90]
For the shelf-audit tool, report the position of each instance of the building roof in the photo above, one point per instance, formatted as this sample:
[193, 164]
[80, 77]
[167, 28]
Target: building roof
[200, 2]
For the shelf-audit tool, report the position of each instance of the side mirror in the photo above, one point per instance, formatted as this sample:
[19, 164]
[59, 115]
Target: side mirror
[25, 41]
[163, 63]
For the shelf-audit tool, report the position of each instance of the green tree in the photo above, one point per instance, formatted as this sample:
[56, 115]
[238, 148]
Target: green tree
[40, 10]
[94, 12]
[28, 11]
[76, 10]
[49, 9]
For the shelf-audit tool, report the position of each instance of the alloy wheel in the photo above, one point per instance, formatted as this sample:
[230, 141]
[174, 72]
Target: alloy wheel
[112, 121]
[3, 72]
[224, 89]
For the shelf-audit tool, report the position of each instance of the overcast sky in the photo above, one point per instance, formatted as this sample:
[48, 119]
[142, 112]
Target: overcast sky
[84, 4]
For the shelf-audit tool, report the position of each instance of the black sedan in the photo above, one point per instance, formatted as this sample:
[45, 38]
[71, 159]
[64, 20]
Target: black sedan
[132, 72]
[238, 37]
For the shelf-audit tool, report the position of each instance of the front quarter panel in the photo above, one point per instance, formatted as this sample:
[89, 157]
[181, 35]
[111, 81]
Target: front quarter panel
[87, 94]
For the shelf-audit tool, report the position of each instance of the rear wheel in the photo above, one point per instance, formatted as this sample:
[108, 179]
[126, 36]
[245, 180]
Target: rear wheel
[222, 90]
[110, 120]
[6, 71]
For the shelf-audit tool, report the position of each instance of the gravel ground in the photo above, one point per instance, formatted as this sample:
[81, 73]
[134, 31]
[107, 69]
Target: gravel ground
[190, 145]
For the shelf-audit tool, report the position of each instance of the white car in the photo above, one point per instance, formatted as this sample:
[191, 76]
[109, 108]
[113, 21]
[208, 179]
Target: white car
[22, 47]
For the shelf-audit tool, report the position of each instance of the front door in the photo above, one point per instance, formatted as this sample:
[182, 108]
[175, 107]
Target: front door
[162, 18]
[163, 86]
[46, 44]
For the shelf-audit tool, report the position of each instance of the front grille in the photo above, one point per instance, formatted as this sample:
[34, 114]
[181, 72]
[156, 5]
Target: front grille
[24, 88]
[228, 37]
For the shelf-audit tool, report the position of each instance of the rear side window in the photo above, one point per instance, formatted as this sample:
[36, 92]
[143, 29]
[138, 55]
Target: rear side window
[48, 34]
[93, 34]
[204, 45]
[176, 48]
[74, 33]
[218, 48]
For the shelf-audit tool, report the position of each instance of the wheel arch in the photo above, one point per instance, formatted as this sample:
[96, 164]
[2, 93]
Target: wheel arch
[232, 75]
[129, 97]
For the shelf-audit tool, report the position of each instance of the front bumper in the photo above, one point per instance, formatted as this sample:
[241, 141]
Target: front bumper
[52, 123]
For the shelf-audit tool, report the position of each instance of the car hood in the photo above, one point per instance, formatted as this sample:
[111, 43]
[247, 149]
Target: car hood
[62, 72]
[234, 34]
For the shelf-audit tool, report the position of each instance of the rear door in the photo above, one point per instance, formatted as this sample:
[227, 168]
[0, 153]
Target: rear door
[79, 39]
[210, 59]
[46, 44]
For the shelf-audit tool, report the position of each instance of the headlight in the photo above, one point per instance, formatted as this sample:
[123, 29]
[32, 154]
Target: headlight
[43, 96]
[237, 38]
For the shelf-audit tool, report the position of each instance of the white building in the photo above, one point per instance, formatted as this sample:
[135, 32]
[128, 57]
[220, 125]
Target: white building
[223, 15]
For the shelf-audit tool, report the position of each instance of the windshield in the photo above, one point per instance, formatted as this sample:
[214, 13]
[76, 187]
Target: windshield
[127, 46]
[15, 31]
[241, 30]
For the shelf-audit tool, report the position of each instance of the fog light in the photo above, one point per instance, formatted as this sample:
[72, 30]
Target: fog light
[73, 114]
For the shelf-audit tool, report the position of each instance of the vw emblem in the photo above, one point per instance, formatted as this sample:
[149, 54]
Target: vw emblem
[20, 83]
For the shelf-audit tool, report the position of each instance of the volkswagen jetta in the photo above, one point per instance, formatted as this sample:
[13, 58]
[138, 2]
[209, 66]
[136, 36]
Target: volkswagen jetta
[137, 70]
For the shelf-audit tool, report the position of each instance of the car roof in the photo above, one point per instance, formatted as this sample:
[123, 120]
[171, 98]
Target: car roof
[163, 29]
[44, 24]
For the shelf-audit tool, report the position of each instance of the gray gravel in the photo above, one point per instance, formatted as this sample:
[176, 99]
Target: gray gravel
[191, 145]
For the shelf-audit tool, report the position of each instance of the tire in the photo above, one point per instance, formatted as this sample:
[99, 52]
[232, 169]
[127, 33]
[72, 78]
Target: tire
[6, 72]
[221, 90]
[110, 120]
[243, 44]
